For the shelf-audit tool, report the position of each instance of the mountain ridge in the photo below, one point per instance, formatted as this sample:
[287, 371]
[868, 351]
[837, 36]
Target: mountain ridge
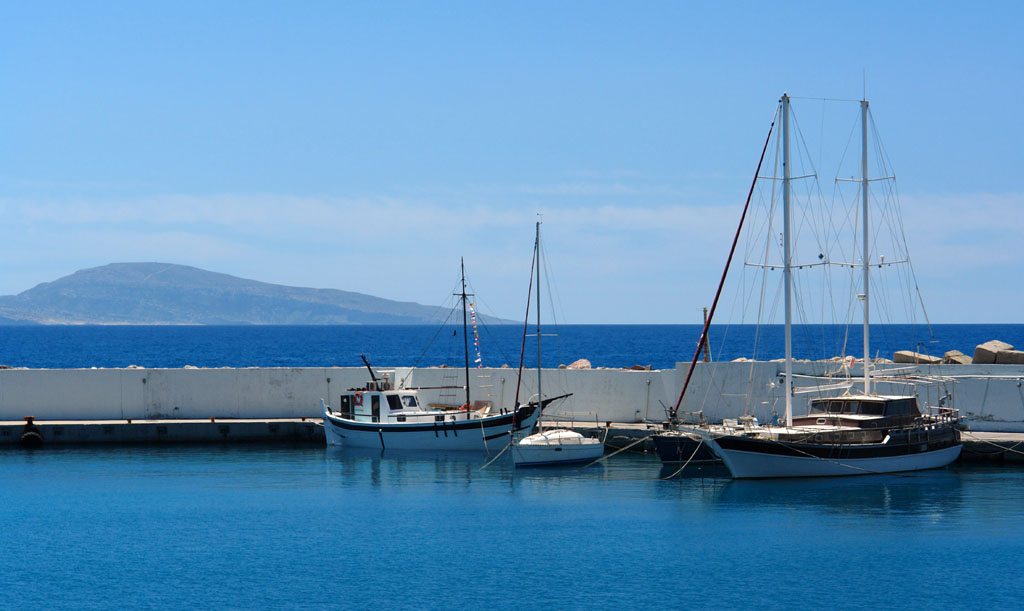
[167, 293]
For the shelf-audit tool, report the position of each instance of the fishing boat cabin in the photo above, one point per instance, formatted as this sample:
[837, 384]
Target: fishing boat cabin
[380, 402]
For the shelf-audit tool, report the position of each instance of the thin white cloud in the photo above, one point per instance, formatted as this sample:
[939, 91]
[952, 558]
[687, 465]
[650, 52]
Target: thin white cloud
[963, 234]
[614, 263]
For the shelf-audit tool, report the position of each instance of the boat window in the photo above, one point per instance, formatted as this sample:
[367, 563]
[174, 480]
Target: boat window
[851, 407]
[819, 407]
[409, 400]
[902, 407]
[895, 408]
[872, 408]
[835, 407]
[393, 402]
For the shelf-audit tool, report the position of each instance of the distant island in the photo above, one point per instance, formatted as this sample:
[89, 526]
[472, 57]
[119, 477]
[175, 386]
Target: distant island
[169, 294]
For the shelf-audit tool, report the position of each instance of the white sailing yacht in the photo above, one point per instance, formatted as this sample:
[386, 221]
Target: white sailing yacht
[558, 446]
[853, 434]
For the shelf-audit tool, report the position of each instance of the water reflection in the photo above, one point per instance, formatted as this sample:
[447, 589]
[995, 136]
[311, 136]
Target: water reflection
[355, 466]
[927, 493]
[931, 495]
[711, 471]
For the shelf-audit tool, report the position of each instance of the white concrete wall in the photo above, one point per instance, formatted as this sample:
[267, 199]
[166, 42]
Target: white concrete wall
[619, 395]
[102, 394]
[991, 396]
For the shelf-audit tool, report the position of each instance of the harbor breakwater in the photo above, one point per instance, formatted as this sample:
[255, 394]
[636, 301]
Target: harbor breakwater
[991, 397]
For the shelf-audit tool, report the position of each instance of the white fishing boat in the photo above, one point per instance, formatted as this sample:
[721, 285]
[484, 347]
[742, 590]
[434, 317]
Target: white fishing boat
[383, 417]
[557, 446]
[857, 433]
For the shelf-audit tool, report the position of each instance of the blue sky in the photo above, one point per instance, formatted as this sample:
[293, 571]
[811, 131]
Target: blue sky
[367, 146]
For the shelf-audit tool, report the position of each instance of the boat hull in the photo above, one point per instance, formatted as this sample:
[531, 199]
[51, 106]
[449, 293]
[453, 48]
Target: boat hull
[528, 455]
[760, 458]
[486, 435]
[677, 448]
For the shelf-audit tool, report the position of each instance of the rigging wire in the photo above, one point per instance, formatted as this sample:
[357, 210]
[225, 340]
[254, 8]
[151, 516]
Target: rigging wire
[442, 326]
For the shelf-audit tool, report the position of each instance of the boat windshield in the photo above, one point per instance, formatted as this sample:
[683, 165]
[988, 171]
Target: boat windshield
[902, 407]
[409, 401]
[873, 408]
[868, 408]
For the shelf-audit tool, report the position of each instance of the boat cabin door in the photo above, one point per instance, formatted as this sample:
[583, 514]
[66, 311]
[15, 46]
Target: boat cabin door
[375, 407]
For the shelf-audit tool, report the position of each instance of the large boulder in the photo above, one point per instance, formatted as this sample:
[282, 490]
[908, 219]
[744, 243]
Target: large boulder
[909, 356]
[955, 357]
[985, 354]
[1010, 357]
[580, 364]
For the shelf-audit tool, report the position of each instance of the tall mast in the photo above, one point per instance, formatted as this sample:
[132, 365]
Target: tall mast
[465, 331]
[864, 200]
[540, 396]
[787, 263]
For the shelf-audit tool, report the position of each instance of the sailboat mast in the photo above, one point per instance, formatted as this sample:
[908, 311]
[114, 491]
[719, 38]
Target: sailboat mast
[540, 396]
[864, 200]
[465, 329]
[787, 266]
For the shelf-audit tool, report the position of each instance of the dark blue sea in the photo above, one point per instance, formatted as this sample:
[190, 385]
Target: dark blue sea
[285, 527]
[323, 346]
[309, 528]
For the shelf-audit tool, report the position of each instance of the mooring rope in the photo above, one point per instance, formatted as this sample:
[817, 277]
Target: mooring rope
[509, 445]
[1003, 448]
[607, 456]
[699, 444]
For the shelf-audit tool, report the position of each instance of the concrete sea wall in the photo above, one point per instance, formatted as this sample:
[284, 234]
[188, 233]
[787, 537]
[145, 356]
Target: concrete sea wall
[990, 396]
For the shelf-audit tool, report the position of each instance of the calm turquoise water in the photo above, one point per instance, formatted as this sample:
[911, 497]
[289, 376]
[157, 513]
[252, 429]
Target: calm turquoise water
[305, 527]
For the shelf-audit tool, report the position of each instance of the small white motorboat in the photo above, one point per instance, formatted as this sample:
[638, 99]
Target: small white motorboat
[556, 447]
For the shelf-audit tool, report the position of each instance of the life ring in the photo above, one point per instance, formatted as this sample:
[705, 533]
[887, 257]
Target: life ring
[359, 398]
